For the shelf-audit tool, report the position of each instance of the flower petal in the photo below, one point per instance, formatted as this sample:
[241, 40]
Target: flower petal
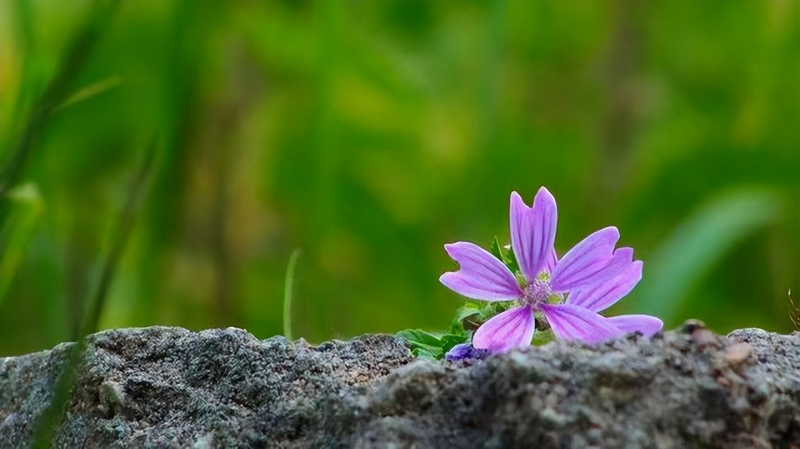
[598, 297]
[588, 258]
[620, 261]
[646, 324]
[544, 219]
[506, 331]
[533, 231]
[576, 323]
[481, 276]
[551, 261]
[521, 234]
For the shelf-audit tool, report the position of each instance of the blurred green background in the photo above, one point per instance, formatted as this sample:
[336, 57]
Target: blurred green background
[370, 133]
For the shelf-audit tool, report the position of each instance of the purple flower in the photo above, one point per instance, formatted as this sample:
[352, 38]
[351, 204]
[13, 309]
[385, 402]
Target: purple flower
[568, 292]
[465, 351]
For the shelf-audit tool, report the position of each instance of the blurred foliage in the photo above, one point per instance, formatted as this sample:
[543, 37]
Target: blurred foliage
[368, 134]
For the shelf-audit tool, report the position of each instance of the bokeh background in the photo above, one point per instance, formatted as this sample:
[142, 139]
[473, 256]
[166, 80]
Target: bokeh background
[368, 134]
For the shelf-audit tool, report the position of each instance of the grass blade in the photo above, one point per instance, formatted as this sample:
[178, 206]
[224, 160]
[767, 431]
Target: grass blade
[54, 94]
[287, 294]
[89, 92]
[29, 207]
[699, 243]
[49, 420]
[119, 238]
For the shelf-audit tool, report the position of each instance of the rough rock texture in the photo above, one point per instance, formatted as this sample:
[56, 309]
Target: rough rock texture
[169, 387]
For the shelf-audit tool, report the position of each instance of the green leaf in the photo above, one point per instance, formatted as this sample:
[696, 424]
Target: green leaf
[466, 311]
[505, 255]
[493, 308]
[420, 337]
[497, 250]
[427, 353]
[463, 314]
[450, 340]
[428, 345]
[510, 259]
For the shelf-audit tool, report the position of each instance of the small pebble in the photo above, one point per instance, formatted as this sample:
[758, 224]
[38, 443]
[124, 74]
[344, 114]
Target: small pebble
[738, 353]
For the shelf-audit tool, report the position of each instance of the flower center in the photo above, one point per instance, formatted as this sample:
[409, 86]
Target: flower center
[537, 292]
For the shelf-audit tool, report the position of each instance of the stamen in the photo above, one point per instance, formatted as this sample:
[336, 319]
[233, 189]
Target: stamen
[537, 292]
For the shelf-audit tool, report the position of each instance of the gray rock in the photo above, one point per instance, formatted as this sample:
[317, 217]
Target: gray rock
[169, 387]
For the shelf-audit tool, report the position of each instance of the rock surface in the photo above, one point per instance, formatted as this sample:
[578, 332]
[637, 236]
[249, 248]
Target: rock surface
[169, 387]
